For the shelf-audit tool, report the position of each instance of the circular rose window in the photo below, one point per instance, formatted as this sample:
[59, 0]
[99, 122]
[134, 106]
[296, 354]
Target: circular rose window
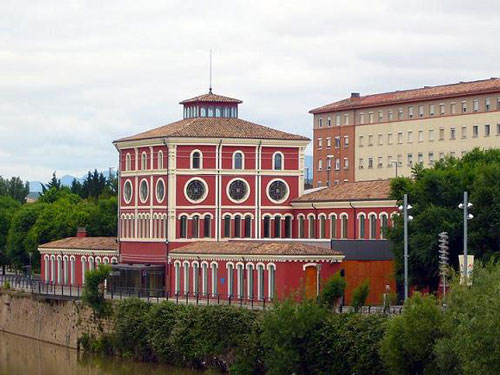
[196, 190]
[127, 191]
[278, 191]
[143, 191]
[238, 190]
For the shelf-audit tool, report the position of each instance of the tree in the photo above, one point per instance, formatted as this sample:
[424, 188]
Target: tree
[14, 188]
[8, 207]
[360, 294]
[54, 183]
[332, 290]
[93, 293]
[435, 194]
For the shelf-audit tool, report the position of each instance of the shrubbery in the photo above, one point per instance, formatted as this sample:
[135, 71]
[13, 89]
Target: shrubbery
[93, 293]
[332, 290]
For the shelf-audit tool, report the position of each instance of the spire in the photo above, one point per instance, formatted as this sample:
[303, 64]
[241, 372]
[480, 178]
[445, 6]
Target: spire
[210, 86]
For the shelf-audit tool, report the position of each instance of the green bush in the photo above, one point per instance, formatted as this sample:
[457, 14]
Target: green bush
[6, 285]
[360, 294]
[408, 345]
[93, 292]
[162, 319]
[332, 290]
[132, 329]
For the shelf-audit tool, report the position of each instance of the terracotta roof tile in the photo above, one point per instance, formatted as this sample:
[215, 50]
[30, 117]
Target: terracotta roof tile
[425, 93]
[214, 127]
[210, 97]
[350, 191]
[253, 248]
[84, 243]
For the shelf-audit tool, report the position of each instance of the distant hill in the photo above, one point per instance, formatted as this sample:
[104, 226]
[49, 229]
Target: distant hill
[66, 180]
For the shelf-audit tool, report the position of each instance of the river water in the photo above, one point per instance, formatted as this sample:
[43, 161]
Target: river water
[24, 356]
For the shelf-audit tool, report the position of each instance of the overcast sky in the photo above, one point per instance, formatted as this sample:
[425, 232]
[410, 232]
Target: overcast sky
[75, 75]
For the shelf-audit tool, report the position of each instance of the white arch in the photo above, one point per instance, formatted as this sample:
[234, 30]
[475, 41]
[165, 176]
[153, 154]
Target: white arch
[282, 161]
[242, 159]
[191, 159]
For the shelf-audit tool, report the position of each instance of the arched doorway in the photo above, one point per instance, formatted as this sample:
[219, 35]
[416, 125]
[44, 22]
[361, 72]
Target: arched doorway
[311, 278]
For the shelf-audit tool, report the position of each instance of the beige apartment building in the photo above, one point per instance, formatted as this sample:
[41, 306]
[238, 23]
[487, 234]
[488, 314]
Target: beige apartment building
[396, 130]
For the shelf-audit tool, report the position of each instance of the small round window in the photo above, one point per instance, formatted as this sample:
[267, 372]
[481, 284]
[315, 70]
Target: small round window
[196, 190]
[278, 191]
[127, 191]
[143, 191]
[160, 190]
[238, 190]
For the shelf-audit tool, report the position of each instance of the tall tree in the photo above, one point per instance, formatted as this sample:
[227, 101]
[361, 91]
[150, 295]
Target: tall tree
[54, 183]
[8, 207]
[14, 188]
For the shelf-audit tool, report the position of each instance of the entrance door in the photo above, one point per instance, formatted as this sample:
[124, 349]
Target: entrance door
[311, 282]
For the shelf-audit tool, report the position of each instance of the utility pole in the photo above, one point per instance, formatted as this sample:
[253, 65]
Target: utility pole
[465, 205]
[404, 208]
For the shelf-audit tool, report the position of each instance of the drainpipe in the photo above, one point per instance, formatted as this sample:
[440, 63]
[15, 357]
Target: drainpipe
[355, 220]
[217, 195]
[258, 162]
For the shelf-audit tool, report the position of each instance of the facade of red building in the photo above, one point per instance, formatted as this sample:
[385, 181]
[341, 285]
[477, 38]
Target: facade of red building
[218, 204]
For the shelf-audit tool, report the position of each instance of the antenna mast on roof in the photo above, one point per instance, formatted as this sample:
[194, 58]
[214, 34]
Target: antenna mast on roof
[210, 87]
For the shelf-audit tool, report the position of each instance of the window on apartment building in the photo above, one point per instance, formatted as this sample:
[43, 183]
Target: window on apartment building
[431, 158]
[400, 160]
[464, 131]
[361, 118]
[370, 140]
[380, 162]
[337, 119]
[380, 139]
[431, 110]
[346, 163]
[400, 113]
[400, 137]
[346, 119]
[380, 116]
[498, 129]
[487, 130]
[420, 135]
[410, 159]
[337, 142]
[390, 115]
[453, 108]
[442, 109]
[320, 165]
[420, 158]
[328, 142]
[389, 138]
[328, 164]
[329, 121]
[410, 136]
[360, 163]
[441, 134]
[370, 163]
[370, 117]
[487, 104]
[453, 133]
[337, 164]
[475, 131]
[320, 142]
[475, 105]
[441, 156]
[389, 161]
[464, 107]
[431, 135]
[452, 154]
[410, 112]
[320, 122]
[421, 111]
[346, 141]
[361, 140]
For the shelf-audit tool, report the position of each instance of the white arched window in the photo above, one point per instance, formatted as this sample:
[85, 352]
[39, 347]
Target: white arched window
[144, 161]
[267, 227]
[46, 262]
[230, 279]
[344, 223]
[250, 288]
[204, 278]
[84, 268]
[288, 226]
[373, 226]
[195, 226]
[241, 280]
[322, 226]
[177, 277]
[65, 270]
[277, 226]
[238, 160]
[183, 227]
[260, 281]
[196, 278]
[160, 160]
[300, 223]
[333, 226]
[278, 161]
[52, 268]
[207, 224]
[214, 279]
[196, 159]
[362, 225]
[384, 225]
[128, 162]
[186, 278]
[72, 269]
[271, 280]
[59, 269]
[91, 263]
[312, 229]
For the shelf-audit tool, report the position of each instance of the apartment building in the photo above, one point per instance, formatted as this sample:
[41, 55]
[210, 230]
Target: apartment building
[391, 132]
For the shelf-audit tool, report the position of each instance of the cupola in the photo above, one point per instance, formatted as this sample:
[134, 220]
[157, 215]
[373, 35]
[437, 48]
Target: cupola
[211, 105]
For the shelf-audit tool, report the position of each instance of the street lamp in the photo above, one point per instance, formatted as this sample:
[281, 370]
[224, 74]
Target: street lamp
[465, 205]
[404, 208]
[395, 162]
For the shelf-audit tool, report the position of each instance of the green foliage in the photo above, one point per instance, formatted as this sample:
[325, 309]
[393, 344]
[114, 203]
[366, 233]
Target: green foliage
[360, 294]
[408, 346]
[161, 321]
[6, 285]
[14, 188]
[332, 290]
[435, 194]
[132, 329]
[93, 293]
[8, 207]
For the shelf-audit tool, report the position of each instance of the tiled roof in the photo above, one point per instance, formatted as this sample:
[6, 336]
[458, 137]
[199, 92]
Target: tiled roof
[210, 97]
[350, 191]
[214, 127]
[84, 243]
[424, 93]
[253, 248]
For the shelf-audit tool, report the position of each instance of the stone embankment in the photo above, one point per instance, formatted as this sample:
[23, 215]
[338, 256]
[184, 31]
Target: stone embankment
[59, 322]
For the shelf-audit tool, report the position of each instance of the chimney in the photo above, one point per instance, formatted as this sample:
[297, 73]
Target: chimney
[354, 95]
[81, 232]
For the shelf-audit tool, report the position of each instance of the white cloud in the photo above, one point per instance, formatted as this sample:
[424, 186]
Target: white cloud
[78, 74]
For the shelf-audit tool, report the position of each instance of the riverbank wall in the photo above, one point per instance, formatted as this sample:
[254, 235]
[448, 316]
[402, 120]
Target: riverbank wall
[56, 321]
